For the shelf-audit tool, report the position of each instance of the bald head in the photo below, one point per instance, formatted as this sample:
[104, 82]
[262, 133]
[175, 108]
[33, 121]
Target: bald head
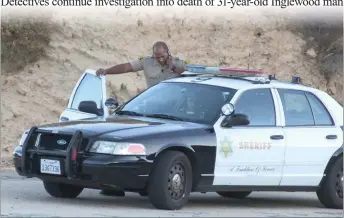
[160, 46]
[160, 52]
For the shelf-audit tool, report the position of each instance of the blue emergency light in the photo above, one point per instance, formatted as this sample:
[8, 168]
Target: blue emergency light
[193, 66]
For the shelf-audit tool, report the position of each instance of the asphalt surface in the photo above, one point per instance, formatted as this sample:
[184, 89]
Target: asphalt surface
[22, 197]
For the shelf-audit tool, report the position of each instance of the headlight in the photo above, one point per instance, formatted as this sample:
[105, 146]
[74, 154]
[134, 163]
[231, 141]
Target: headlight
[118, 148]
[22, 139]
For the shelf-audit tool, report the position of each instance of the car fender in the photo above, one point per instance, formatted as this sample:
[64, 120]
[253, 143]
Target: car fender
[174, 145]
[338, 152]
[335, 155]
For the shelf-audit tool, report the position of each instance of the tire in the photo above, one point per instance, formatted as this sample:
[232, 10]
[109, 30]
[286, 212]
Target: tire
[330, 193]
[60, 190]
[239, 195]
[169, 165]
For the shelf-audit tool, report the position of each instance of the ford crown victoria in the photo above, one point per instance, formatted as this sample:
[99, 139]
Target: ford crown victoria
[231, 134]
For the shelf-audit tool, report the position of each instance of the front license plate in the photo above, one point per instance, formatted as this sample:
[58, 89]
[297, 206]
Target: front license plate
[50, 166]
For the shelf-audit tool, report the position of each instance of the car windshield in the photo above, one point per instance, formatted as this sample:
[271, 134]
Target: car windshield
[190, 102]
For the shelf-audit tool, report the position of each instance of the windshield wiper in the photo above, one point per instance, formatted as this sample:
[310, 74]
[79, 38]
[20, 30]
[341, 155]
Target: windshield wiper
[164, 116]
[132, 113]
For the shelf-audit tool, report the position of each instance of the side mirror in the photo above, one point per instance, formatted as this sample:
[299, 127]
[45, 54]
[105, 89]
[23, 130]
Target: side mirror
[235, 120]
[227, 109]
[111, 103]
[89, 107]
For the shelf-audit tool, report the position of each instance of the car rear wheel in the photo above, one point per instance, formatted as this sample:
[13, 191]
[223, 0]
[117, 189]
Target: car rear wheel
[234, 194]
[330, 193]
[60, 190]
[171, 181]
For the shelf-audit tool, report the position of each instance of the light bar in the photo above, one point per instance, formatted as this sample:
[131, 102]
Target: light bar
[238, 70]
[201, 69]
[242, 72]
[228, 71]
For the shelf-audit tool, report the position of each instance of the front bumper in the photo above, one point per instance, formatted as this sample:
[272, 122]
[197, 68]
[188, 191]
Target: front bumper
[87, 170]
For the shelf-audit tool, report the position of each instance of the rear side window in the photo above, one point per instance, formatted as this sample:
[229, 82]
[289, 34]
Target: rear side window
[297, 110]
[320, 113]
[259, 106]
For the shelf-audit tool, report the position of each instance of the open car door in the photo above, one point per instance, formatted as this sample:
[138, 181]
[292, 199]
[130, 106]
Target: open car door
[87, 99]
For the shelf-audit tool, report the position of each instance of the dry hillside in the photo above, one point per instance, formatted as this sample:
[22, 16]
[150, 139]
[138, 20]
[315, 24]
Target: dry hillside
[42, 60]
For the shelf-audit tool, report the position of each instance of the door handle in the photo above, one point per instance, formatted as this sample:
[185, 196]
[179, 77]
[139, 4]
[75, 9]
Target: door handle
[276, 137]
[331, 136]
[64, 119]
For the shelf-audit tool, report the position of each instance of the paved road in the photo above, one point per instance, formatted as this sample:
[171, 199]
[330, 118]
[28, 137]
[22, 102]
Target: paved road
[27, 197]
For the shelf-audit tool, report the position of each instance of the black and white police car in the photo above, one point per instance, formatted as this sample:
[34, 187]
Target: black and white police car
[217, 129]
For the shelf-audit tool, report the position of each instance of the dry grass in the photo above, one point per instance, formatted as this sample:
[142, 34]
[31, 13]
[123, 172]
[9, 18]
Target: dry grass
[23, 41]
[326, 38]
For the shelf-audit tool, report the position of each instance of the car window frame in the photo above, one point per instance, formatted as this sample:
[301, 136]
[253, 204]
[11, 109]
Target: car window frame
[324, 106]
[235, 100]
[78, 91]
[305, 92]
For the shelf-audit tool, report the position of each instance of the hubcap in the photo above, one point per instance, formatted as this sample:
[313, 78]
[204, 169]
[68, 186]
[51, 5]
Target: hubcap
[339, 183]
[176, 182]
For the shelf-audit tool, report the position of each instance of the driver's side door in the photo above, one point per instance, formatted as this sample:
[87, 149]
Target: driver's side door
[87, 99]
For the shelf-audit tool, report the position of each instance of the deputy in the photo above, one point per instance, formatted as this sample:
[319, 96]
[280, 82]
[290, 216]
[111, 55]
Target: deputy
[156, 68]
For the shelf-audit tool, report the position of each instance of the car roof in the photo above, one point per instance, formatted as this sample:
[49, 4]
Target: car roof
[239, 83]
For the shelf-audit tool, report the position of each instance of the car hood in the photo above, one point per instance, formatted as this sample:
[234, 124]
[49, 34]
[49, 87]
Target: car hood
[120, 126]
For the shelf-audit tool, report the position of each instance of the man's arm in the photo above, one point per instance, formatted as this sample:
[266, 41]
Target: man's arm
[179, 66]
[133, 66]
[119, 69]
[178, 70]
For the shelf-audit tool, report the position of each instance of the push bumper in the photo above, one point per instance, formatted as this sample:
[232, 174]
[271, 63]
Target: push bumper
[79, 168]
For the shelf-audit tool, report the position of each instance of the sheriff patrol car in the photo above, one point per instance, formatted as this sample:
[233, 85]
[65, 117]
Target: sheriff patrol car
[216, 129]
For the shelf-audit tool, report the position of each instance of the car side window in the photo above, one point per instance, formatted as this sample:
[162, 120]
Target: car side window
[320, 113]
[297, 110]
[90, 89]
[258, 105]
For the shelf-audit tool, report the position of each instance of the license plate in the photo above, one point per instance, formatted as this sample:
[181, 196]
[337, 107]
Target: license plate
[50, 166]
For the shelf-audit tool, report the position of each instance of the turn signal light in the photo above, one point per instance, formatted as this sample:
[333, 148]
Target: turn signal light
[136, 149]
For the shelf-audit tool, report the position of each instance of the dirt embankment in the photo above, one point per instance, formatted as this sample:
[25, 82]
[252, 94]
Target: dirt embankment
[42, 59]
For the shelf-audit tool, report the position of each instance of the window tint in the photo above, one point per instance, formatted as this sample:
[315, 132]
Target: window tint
[320, 113]
[258, 105]
[90, 89]
[297, 110]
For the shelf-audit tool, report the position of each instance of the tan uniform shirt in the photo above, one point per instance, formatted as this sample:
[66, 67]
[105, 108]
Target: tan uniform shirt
[153, 71]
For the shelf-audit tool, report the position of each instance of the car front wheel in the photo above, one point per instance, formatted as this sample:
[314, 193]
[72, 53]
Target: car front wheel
[60, 190]
[330, 193]
[171, 181]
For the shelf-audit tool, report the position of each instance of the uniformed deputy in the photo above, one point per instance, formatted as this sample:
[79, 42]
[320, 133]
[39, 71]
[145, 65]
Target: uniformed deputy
[156, 68]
